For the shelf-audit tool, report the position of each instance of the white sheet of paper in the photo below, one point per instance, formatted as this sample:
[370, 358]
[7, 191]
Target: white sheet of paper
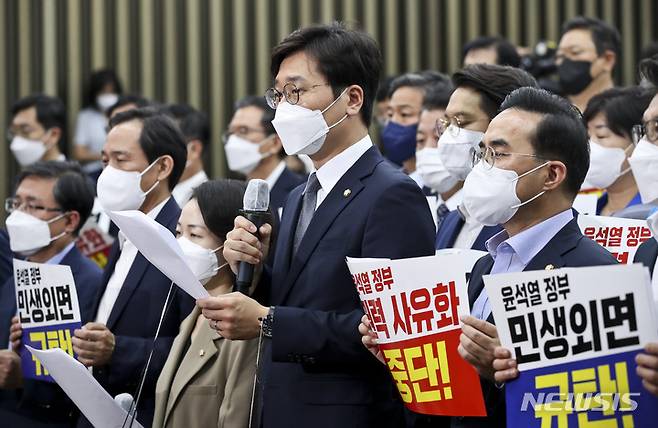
[470, 257]
[160, 248]
[585, 203]
[79, 384]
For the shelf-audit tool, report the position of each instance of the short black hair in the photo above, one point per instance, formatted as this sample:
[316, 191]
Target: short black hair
[345, 57]
[51, 112]
[220, 202]
[604, 35]
[438, 91]
[425, 81]
[97, 82]
[649, 69]
[192, 123]
[259, 102]
[493, 82]
[383, 88]
[160, 136]
[73, 190]
[560, 135]
[622, 107]
[123, 100]
[506, 53]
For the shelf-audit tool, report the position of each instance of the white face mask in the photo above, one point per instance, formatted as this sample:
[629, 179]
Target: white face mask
[302, 131]
[432, 171]
[604, 165]
[455, 152]
[652, 222]
[243, 155]
[105, 101]
[644, 164]
[202, 261]
[490, 194]
[120, 190]
[28, 234]
[27, 151]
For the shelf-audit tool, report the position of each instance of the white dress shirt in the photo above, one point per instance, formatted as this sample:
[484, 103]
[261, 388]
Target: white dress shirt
[183, 190]
[469, 232]
[331, 172]
[121, 269]
[275, 174]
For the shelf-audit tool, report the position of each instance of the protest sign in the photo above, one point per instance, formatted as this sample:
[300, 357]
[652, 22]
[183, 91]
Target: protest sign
[575, 333]
[48, 310]
[94, 243]
[620, 236]
[414, 307]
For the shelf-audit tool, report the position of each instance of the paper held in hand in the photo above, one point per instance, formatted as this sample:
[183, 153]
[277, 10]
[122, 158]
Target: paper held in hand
[79, 384]
[414, 307]
[160, 248]
[575, 333]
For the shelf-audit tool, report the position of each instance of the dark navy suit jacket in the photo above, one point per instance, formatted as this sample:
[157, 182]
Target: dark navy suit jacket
[452, 225]
[134, 320]
[287, 181]
[5, 257]
[316, 370]
[31, 405]
[647, 253]
[568, 248]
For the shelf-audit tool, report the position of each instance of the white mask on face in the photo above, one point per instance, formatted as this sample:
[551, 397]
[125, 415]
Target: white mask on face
[490, 194]
[27, 151]
[604, 165]
[243, 155]
[105, 101]
[302, 131]
[644, 164]
[455, 152]
[202, 261]
[120, 190]
[28, 234]
[432, 171]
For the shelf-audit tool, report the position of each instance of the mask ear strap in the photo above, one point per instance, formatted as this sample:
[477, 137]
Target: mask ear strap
[218, 248]
[528, 201]
[533, 170]
[335, 101]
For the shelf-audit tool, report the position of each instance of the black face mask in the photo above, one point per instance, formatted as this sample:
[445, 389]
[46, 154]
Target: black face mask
[574, 76]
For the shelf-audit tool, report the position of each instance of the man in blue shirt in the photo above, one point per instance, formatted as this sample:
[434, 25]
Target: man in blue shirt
[60, 194]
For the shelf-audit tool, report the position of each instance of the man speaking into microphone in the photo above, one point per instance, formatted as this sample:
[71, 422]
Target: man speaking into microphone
[314, 369]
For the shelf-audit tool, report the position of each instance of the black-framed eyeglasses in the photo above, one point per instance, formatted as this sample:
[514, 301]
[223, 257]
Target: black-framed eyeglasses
[13, 203]
[290, 92]
[489, 155]
[242, 132]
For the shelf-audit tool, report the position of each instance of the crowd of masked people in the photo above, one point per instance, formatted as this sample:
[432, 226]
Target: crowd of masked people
[502, 151]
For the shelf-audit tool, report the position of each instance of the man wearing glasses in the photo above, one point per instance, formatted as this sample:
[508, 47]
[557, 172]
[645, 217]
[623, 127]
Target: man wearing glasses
[644, 163]
[479, 91]
[51, 203]
[314, 371]
[253, 149]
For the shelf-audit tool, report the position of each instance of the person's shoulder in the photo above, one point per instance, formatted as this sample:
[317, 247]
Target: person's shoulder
[589, 253]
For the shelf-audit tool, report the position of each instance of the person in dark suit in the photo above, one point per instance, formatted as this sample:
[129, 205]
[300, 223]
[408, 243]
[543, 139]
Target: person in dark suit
[254, 149]
[647, 181]
[144, 157]
[5, 257]
[314, 370]
[479, 91]
[57, 192]
[538, 138]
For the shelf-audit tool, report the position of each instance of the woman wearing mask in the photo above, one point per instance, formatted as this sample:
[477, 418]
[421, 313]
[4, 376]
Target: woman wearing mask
[207, 380]
[610, 117]
[102, 93]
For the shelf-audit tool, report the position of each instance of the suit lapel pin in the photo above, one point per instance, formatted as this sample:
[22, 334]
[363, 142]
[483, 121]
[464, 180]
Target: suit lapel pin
[202, 353]
[347, 193]
[549, 267]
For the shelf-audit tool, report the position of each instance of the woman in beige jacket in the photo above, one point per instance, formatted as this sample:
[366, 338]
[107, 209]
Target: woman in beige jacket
[207, 380]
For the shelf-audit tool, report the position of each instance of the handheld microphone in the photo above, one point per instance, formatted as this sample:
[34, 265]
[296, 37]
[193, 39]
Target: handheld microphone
[256, 204]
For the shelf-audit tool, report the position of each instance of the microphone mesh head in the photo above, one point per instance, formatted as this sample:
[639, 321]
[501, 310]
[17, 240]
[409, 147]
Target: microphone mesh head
[257, 196]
